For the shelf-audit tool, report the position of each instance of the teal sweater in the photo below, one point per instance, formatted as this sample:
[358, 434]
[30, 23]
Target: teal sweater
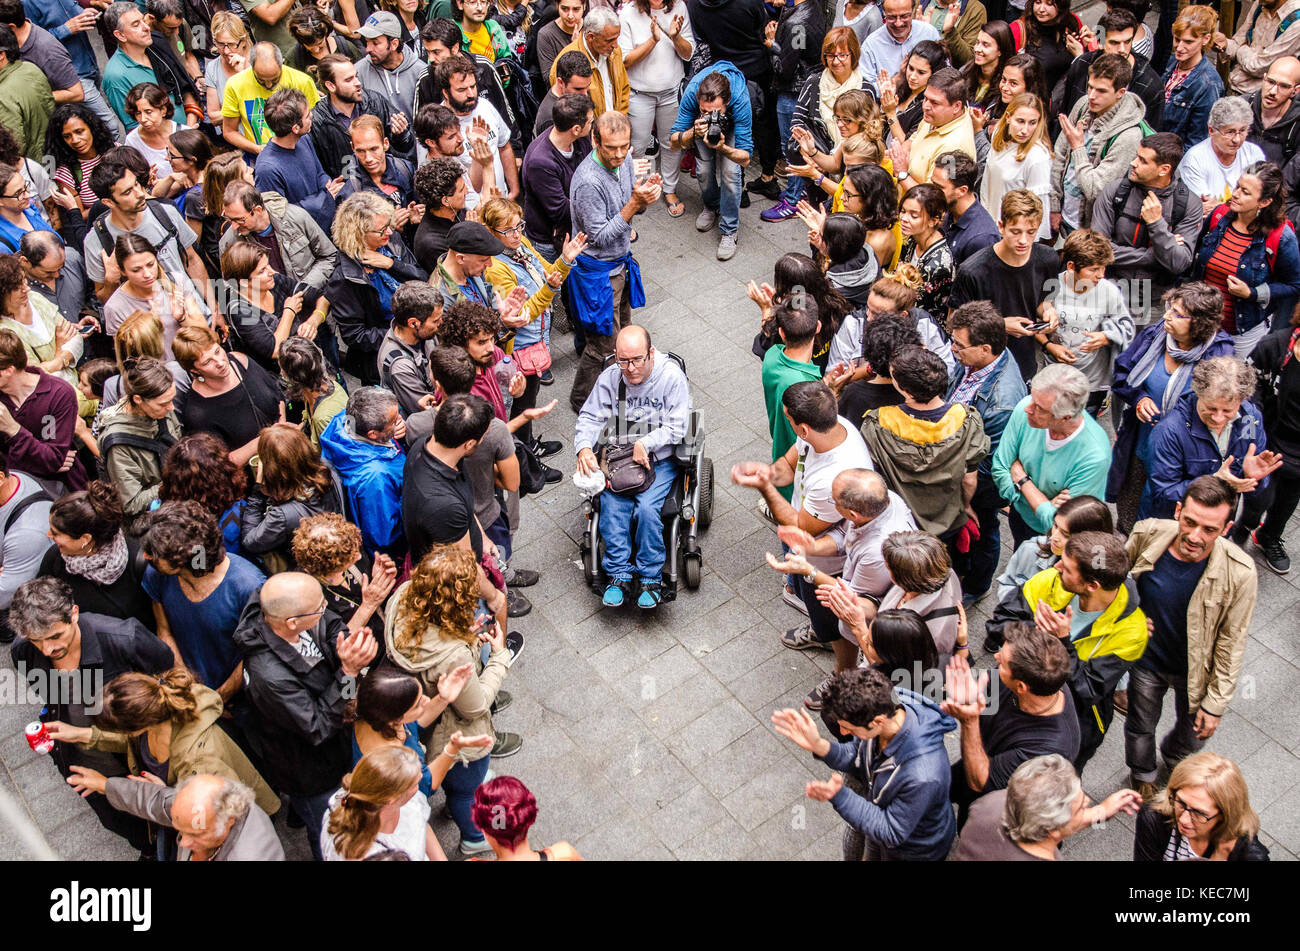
[1080, 465]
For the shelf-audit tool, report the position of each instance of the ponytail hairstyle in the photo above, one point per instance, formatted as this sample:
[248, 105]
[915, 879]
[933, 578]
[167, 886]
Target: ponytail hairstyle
[95, 511]
[380, 778]
[134, 702]
[384, 695]
[1272, 190]
[146, 378]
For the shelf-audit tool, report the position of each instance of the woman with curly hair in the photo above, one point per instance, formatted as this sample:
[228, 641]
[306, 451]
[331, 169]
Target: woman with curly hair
[373, 262]
[312, 382]
[870, 192]
[505, 810]
[798, 271]
[328, 547]
[77, 139]
[379, 807]
[290, 483]
[198, 469]
[168, 727]
[430, 630]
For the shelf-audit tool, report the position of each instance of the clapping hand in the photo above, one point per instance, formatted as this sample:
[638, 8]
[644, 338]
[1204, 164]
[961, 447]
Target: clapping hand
[799, 728]
[837, 376]
[383, 577]
[356, 650]
[1056, 623]
[676, 26]
[803, 138]
[965, 694]
[793, 563]
[534, 413]
[453, 682]
[573, 247]
[458, 741]
[888, 95]
[900, 155]
[1259, 467]
[795, 537]
[952, 16]
[752, 475]
[761, 294]
[825, 791]
[1073, 134]
[802, 171]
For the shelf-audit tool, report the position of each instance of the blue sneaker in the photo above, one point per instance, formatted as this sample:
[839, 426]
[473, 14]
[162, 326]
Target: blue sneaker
[649, 598]
[781, 211]
[616, 593]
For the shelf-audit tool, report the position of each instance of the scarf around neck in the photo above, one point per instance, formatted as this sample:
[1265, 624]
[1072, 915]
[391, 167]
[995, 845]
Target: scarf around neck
[1186, 360]
[827, 92]
[102, 567]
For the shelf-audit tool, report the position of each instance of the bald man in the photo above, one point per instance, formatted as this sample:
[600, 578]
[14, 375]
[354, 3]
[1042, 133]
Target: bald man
[301, 661]
[1275, 127]
[216, 818]
[657, 410]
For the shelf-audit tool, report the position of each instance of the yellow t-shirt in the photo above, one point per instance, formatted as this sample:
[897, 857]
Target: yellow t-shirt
[245, 100]
[480, 42]
[837, 204]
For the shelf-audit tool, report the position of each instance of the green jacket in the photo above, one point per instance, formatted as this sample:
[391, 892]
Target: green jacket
[500, 47]
[200, 746]
[25, 106]
[136, 470]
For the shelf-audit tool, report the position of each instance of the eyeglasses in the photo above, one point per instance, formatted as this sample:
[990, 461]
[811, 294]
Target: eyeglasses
[839, 57]
[21, 193]
[517, 229]
[386, 229]
[627, 363]
[226, 46]
[1198, 817]
[899, 18]
[319, 611]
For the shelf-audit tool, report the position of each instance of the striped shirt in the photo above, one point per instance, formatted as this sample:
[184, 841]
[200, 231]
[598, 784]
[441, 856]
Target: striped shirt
[1222, 264]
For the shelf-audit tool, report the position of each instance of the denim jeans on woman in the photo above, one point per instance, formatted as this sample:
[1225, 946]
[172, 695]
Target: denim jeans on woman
[657, 111]
[785, 105]
[459, 785]
[721, 181]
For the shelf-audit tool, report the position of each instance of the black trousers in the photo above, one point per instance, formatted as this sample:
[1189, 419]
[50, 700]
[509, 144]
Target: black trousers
[1277, 503]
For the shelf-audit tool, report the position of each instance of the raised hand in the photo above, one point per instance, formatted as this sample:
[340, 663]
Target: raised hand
[793, 563]
[752, 475]
[573, 247]
[1260, 466]
[537, 412]
[760, 294]
[356, 650]
[795, 537]
[1073, 134]
[453, 682]
[888, 95]
[1152, 210]
[825, 791]
[458, 741]
[1056, 623]
[799, 728]
[965, 694]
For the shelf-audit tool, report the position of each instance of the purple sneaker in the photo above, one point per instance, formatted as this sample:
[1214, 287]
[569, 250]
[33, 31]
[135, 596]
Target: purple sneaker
[781, 211]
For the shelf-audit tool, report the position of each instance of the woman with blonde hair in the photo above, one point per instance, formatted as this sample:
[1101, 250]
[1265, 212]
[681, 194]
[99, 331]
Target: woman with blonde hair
[1192, 83]
[897, 293]
[220, 172]
[290, 483]
[231, 43]
[1204, 813]
[168, 727]
[1019, 158]
[373, 262]
[430, 630]
[379, 807]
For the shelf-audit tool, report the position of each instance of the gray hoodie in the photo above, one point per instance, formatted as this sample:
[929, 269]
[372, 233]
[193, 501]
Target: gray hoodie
[1116, 133]
[398, 85]
[658, 411]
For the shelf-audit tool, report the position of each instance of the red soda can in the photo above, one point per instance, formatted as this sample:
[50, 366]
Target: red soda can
[38, 737]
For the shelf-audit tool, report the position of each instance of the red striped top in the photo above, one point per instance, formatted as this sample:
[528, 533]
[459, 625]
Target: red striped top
[1222, 263]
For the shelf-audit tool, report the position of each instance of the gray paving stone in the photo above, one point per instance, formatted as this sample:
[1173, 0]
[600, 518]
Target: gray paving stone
[685, 703]
[685, 817]
[724, 840]
[776, 789]
[711, 732]
[742, 759]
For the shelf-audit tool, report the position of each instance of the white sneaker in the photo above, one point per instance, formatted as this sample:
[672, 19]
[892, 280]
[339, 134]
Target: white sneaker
[727, 247]
[474, 848]
[706, 220]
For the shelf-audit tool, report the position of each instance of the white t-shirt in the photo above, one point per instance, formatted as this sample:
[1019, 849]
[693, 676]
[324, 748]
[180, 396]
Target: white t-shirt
[157, 158]
[661, 69]
[1003, 172]
[408, 837]
[864, 565]
[1203, 173]
[501, 137]
[814, 472]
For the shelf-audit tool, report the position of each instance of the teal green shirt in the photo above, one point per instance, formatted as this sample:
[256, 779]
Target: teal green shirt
[1080, 465]
[779, 372]
[121, 73]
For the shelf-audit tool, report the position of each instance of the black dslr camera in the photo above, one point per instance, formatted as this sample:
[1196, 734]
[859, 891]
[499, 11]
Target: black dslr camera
[717, 123]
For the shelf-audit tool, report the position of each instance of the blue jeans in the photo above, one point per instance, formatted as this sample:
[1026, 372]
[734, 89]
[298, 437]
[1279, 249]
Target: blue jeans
[459, 785]
[499, 532]
[616, 514]
[785, 103]
[311, 810]
[721, 181]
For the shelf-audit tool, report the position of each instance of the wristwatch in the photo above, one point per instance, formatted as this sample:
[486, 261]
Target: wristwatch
[1020, 482]
[904, 174]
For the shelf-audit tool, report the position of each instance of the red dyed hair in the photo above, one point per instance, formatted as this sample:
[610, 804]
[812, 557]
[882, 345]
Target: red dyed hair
[505, 809]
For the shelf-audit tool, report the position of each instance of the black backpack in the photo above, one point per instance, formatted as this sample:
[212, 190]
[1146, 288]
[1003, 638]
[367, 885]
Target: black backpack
[160, 215]
[1119, 201]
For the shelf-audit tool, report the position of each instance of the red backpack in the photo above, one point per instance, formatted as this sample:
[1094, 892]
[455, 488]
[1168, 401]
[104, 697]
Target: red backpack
[1270, 243]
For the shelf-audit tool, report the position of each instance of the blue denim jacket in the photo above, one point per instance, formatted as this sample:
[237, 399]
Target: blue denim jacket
[52, 15]
[1187, 111]
[1271, 291]
[995, 401]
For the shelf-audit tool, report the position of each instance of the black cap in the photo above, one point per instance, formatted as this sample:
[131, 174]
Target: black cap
[470, 237]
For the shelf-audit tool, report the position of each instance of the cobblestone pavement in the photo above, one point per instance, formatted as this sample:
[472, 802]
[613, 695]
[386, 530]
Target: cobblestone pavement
[648, 737]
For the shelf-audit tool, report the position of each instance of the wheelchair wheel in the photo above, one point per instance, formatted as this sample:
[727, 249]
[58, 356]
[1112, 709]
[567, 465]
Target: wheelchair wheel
[692, 568]
[589, 567]
[704, 510]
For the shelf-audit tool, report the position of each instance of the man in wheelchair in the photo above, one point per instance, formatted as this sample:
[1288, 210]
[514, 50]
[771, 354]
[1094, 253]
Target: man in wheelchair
[656, 408]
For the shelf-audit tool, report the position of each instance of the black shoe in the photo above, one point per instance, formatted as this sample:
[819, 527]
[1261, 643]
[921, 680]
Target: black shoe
[522, 578]
[1274, 554]
[744, 199]
[546, 447]
[514, 644]
[507, 744]
[516, 604]
[768, 189]
[1239, 535]
[992, 644]
[551, 475]
[294, 821]
[546, 378]
[503, 699]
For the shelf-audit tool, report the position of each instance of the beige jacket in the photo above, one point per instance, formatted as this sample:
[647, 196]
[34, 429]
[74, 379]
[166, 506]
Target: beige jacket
[1218, 617]
[434, 656]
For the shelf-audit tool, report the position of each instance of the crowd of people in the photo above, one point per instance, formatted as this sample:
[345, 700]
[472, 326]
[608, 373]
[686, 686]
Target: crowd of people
[283, 283]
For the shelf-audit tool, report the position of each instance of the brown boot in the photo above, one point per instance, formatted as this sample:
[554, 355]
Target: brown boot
[1121, 702]
[1146, 790]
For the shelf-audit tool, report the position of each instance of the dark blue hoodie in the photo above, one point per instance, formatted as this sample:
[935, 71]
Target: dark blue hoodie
[1183, 448]
[906, 810]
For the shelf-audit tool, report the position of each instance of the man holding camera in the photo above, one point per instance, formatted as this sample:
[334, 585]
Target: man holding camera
[716, 118]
